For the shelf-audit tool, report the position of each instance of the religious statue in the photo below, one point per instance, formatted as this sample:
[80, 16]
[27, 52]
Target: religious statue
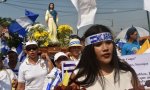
[51, 18]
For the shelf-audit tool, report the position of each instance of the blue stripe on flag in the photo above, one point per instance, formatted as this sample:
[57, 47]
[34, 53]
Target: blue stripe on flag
[19, 48]
[14, 27]
[68, 65]
[31, 15]
[49, 86]
[22, 56]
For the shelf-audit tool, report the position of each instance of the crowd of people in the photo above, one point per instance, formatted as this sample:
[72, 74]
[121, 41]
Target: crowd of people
[98, 68]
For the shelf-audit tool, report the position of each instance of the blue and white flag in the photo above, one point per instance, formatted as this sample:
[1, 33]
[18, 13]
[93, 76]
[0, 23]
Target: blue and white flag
[19, 48]
[68, 66]
[21, 53]
[20, 24]
[21, 56]
[32, 16]
[52, 79]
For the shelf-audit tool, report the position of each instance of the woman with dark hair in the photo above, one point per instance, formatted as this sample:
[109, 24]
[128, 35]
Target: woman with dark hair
[100, 68]
[34, 69]
[132, 44]
[51, 18]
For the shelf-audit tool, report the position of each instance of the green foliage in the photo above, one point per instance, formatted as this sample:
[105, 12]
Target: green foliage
[14, 40]
[5, 22]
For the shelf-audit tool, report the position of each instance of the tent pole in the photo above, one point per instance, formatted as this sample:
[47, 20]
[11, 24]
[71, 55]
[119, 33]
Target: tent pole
[148, 20]
[77, 31]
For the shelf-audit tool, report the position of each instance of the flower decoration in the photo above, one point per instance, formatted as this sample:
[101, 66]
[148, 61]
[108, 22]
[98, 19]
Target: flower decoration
[39, 33]
[64, 31]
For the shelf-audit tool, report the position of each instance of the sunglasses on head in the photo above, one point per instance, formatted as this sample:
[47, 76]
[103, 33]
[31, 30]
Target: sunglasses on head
[31, 47]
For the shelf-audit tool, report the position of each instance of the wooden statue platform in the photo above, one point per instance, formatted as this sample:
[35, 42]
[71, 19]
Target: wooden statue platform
[52, 50]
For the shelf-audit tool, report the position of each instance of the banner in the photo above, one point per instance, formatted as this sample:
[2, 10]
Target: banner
[141, 64]
[147, 5]
[86, 11]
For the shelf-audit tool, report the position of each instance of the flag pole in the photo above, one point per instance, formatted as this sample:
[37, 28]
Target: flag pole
[148, 20]
[77, 31]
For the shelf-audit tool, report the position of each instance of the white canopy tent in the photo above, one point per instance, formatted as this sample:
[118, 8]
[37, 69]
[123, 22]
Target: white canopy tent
[141, 31]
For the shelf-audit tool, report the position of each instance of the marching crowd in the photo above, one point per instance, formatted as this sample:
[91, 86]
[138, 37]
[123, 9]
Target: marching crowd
[98, 65]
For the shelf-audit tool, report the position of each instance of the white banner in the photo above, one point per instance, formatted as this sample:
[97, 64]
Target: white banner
[86, 11]
[147, 5]
[141, 64]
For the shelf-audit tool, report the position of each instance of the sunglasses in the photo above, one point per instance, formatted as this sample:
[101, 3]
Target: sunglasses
[33, 47]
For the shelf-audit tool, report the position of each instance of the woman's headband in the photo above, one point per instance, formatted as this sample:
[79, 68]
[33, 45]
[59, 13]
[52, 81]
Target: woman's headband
[98, 38]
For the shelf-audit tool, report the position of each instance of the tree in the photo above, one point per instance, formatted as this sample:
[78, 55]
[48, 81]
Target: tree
[5, 22]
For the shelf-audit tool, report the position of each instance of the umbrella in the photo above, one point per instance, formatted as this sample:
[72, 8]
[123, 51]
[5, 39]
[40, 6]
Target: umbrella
[141, 31]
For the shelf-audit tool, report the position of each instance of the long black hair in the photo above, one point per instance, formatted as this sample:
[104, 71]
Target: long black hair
[130, 32]
[49, 6]
[89, 65]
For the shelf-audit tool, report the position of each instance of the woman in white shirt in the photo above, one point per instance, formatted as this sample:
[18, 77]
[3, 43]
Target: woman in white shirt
[33, 70]
[100, 68]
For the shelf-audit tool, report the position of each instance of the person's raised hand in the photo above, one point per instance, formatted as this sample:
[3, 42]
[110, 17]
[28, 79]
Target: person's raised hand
[45, 56]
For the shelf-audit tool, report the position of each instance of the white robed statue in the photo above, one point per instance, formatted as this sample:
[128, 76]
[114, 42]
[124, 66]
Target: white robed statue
[51, 19]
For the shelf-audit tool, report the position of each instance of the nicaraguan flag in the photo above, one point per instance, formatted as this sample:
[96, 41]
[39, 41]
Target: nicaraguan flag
[21, 56]
[68, 66]
[52, 79]
[19, 48]
[32, 16]
[21, 53]
[20, 24]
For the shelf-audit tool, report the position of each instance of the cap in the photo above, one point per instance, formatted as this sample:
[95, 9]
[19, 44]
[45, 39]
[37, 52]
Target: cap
[74, 42]
[57, 55]
[31, 43]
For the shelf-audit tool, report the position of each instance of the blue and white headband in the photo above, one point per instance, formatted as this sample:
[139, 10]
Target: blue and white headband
[98, 38]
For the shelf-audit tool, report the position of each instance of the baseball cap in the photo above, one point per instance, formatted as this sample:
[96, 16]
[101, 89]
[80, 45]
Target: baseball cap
[57, 55]
[31, 42]
[74, 42]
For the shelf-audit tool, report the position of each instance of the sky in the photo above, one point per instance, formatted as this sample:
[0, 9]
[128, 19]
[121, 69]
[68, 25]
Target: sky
[115, 14]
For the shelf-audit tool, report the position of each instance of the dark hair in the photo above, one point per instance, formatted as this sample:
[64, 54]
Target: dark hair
[12, 53]
[89, 65]
[130, 32]
[49, 6]
[12, 56]
[74, 36]
[1, 63]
